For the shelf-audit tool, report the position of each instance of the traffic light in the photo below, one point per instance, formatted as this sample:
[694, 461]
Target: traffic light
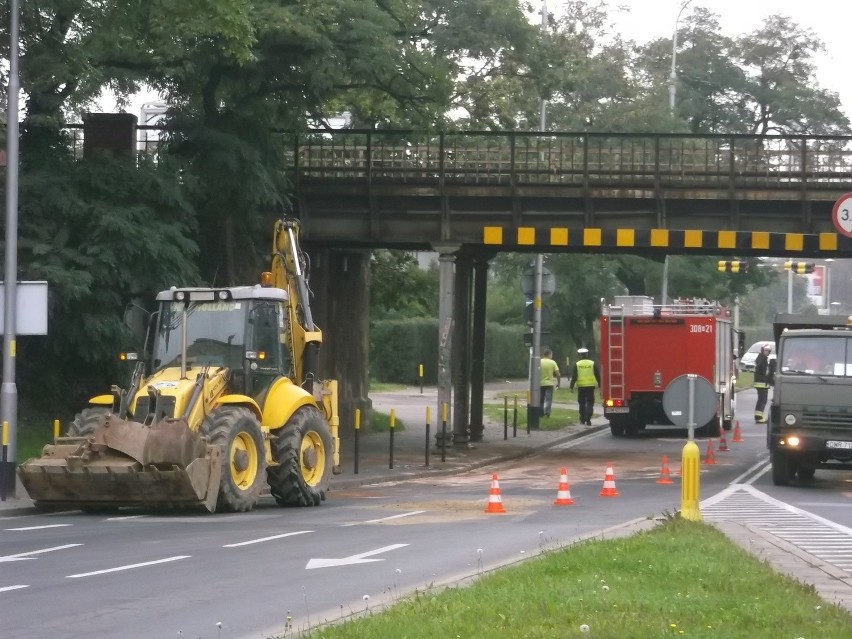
[733, 266]
[802, 268]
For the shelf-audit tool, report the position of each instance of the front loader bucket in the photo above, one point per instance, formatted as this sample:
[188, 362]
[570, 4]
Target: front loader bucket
[126, 464]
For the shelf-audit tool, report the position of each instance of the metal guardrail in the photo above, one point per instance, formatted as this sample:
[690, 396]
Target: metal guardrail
[628, 160]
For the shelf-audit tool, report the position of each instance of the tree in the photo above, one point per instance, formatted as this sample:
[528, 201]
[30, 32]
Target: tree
[400, 288]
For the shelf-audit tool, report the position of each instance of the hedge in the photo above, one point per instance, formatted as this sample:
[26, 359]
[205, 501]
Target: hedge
[398, 347]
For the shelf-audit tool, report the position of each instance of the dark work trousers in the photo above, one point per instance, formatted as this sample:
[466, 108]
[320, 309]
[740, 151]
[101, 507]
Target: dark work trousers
[762, 395]
[586, 399]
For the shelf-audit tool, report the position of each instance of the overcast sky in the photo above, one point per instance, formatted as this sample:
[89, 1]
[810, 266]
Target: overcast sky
[646, 20]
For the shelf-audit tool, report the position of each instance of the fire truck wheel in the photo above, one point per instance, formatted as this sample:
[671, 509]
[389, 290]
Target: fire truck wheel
[711, 428]
[618, 424]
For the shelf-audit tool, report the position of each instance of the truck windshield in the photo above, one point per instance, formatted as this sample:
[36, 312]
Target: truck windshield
[817, 355]
[215, 334]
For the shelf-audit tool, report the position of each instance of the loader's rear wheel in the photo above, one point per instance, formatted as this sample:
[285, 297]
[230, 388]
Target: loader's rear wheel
[303, 450]
[237, 432]
[85, 421]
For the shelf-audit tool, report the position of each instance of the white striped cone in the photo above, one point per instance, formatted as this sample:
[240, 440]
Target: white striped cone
[563, 494]
[495, 499]
[609, 489]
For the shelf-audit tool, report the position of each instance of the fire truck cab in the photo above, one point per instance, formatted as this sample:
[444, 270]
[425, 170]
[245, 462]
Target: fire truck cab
[645, 346]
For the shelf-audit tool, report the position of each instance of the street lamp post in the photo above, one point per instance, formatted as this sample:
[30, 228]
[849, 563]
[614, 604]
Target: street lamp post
[673, 74]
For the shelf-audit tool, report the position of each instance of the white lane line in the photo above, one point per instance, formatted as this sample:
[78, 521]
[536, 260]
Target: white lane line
[130, 567]
[23, 555]
[383, 519]
[125, 517]
[377, 521]
[263, 539]
[40, 527]
[757, 467]
[360, 558]
[6, 588]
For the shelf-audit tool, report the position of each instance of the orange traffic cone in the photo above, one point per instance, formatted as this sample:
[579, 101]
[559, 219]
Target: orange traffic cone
[609, 489]
[665, 478]
[723, 442]
[738, 434]
[709, 459]
[563, 494]
[495, 500]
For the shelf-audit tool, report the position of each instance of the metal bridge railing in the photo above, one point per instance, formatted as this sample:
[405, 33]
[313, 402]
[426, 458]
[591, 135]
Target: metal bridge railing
[645, 161]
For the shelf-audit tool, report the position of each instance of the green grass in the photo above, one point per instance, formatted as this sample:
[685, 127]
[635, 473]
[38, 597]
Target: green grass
[679, 579]
[380, 422]
[385, 387]
[559, 417]
[34, 430]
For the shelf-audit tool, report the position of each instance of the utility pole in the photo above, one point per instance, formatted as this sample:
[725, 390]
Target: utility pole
[9, 389]
[534, 405]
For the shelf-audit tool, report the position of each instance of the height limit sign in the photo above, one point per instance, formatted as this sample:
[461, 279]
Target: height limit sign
[841, 215]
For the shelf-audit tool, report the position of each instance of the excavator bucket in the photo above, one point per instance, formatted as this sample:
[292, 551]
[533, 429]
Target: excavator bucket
[125, 463]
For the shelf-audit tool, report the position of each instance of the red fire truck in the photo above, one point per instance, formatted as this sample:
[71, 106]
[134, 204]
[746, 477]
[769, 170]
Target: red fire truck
[644, 347]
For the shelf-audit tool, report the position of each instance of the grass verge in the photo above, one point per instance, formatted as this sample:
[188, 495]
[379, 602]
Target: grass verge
[559, 417]
[679, 579]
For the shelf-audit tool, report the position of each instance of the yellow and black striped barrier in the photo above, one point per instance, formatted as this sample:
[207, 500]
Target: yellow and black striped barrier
[664, 239]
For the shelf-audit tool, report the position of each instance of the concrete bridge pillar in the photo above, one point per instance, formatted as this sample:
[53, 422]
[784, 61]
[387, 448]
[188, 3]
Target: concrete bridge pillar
[340, 280]
[461, 351]
[477, 346]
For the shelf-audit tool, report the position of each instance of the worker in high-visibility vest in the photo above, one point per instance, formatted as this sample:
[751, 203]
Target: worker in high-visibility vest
[764, 376]
[586, 376]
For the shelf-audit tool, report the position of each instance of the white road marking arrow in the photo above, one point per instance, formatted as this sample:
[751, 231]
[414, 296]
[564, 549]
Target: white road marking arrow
[21, 556]
[360, 558]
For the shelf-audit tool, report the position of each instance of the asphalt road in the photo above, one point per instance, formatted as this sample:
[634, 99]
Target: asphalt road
[145, 575]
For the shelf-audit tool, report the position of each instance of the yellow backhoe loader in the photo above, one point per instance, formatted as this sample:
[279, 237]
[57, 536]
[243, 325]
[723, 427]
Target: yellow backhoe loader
[228, 399]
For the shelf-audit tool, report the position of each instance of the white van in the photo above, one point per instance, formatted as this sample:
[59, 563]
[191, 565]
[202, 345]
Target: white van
[746, 362]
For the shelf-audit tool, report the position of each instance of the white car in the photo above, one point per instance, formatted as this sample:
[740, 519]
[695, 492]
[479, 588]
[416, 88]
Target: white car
[746, 362]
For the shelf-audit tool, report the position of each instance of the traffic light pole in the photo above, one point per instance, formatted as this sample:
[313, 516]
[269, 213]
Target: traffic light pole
[790, 290]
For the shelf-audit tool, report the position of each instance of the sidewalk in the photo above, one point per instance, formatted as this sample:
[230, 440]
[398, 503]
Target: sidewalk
[409, 461]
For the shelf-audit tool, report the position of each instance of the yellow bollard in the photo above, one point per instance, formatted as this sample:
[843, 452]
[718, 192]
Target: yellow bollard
[55, 428]
[390, 446]
[690, 483]
[428, 427]
[357, 437]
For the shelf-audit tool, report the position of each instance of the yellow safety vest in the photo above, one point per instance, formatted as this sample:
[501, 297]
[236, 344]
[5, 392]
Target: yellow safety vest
[586, 373]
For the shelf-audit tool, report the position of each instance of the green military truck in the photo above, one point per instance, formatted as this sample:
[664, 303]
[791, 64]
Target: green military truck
[810, 424]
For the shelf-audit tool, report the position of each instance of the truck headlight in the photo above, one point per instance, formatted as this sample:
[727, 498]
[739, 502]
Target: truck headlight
[789, 419]
[793, 441]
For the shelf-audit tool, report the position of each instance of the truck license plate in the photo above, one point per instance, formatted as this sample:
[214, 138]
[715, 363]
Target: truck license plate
[626, 409]
[836, 444]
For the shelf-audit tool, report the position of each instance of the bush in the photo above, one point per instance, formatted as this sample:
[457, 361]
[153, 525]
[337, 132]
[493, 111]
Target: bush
[398, 347]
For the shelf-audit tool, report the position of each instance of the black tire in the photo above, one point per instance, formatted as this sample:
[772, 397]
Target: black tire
[780, 468]
[87, 420]
[237, 432]
[303, 450]
[618, 424]
[806, 473]
[713, 428]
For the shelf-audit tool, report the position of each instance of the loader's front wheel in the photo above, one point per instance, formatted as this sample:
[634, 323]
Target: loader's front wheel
[87, 420]
[237, 432]
[303, 450]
